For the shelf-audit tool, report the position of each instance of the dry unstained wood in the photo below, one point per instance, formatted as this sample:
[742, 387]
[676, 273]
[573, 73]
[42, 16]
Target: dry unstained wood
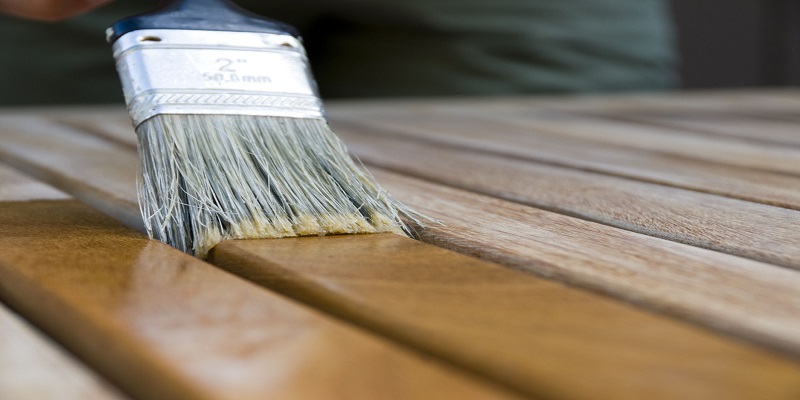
[593, 131]
[730, 150]
[768, 102]
[16, 187]
[34, 368]
[732, 226]
[163, 325]
[536, 335]
[759, 101]
[571, 249]
[70, 160]
[525, 143]
[774, 129]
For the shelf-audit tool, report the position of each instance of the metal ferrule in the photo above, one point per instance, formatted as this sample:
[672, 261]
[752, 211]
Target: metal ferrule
[167, 71]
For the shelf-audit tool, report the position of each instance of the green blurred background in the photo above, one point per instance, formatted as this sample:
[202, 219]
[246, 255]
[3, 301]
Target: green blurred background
[368, 48]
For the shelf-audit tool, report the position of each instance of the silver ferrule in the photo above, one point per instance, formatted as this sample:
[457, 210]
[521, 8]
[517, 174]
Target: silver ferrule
[167, 71]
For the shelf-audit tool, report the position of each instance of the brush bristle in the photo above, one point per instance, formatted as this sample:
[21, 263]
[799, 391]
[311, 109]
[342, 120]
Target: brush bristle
[206, 178]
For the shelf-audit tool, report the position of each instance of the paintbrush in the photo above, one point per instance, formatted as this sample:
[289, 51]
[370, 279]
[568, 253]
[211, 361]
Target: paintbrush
[232, 135]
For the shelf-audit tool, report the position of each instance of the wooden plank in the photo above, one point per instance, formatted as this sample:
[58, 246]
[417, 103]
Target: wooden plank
[784, 101]
[24, 139]
[732, 226]
[17, 187]
[34, 368]
[772, 129]
[541, 337]
[750, 299]
[736, 101]
[731, 150]
[591, 131]
[164, 325]
[525, 143]
[570, 346]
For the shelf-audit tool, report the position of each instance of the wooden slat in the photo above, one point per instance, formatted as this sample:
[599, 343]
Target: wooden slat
[525, 143]
[735, 295]
[571, 344]
[28, 135]
[34, 368]
[541, 337]
[767, 128]
[730, 150]
[163, 325]
[758, 101]
[17, 187]
[732, 226]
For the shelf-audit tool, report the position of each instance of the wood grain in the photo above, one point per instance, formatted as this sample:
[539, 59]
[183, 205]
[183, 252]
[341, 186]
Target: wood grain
[525, 143]
[538, 336]
[723, 224]
[17, 187]
[772, 324]
[702, 287]
[163, 325]
[750, 101]
[540, 348]
[750, 299]
[731, 150]
[772, 129]
[66, 158]
[34, 368]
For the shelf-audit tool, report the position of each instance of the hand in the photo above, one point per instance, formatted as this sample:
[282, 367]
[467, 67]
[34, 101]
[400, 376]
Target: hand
[48, 10]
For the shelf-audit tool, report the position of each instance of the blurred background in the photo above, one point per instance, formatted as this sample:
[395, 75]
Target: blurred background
[391, 48]
[735, 43]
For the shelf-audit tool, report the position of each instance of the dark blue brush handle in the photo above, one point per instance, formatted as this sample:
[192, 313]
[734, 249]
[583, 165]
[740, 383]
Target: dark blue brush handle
[206, 15]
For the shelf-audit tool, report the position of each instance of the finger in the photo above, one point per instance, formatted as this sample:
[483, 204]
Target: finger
[48, 10]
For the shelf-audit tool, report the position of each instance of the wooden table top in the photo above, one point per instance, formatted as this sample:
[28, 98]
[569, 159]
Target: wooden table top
[600, 247]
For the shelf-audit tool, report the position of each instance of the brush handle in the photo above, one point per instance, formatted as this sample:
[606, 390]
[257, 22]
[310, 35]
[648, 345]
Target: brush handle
[206, 15]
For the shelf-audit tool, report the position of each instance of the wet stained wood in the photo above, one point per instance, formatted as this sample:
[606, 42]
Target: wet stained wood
[161, 324]
[540, 348]
[539, 336]
[32, 367]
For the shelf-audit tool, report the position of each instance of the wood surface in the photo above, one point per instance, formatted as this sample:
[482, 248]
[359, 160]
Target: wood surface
[67, 159]
[713, 278]
[771, 129]
[164, 325]
[34, 368]
[736, 101]
[526, 143]
[730, 150]
[17, 187]
[574, 337]
[735, 295]
[541, 337]
[699, 219]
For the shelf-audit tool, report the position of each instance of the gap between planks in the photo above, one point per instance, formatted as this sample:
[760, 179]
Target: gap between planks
[162, 324]
[529, 144]
[32, 367]
[704, 301]
[733, 226]
[784, 305]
